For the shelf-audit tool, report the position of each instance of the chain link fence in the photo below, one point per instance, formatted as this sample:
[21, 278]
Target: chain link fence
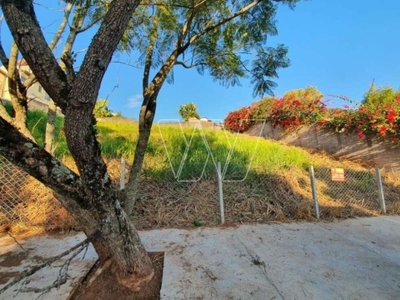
[198, 196]
[279, 196]
[11, 183]
[343, 192]
[26, 203]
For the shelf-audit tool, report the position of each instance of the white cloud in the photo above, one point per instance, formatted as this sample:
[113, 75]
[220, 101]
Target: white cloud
[135, 101]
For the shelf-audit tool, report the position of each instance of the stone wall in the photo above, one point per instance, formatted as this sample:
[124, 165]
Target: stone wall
[373, 152]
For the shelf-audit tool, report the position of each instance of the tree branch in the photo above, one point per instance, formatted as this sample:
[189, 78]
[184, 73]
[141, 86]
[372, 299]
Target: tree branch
[90, 25]
[166, 5]
[183, 64]
[61, 28]
[149, 53]
[126, 64]
[14, 83]
[221, 22]
[101, 49]
[38, 163]
[56, 38]
[26, 31]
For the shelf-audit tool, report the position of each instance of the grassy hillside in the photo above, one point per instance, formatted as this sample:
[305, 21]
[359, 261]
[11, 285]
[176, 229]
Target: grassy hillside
[168, 144]
[264, 180]
[187, 151]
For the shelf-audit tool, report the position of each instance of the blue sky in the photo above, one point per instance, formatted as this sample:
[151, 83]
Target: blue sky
[338, 46]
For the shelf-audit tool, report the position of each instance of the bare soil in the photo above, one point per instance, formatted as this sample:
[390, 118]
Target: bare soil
[106, 287]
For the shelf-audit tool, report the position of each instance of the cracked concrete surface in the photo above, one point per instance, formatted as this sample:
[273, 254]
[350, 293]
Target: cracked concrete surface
[350, 259]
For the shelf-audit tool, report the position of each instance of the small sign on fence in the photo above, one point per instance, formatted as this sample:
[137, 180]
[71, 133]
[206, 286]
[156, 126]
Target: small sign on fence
[337, 174]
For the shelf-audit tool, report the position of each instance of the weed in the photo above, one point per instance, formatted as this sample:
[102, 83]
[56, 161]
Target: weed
[197, 223]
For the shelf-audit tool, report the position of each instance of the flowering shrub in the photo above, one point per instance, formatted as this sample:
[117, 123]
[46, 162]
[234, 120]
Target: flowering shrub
[240, 120]
[382, 120]
[262, 108]
[289, 112]
[338, 119]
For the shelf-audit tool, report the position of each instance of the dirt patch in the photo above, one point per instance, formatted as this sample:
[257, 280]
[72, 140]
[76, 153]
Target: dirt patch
[6, 276]
[12, 259]
[106, 287]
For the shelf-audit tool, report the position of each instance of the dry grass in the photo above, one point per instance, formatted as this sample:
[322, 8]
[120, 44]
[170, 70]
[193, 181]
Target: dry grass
[279, 197]
[392, 193]
[283, 196]
[34, 208]
[40, 211]
[277, 189]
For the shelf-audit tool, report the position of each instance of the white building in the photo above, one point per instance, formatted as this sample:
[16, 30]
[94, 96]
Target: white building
[37, 96]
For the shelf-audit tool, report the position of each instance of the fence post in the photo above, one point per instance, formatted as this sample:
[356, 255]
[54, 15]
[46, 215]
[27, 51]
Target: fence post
[380, 190]
[221, 195]
[122, 177]
[314, 191]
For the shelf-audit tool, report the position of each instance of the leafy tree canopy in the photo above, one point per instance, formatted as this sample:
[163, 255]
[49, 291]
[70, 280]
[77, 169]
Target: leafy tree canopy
[309, 94]
[188, 110]
[379, 96]
[101, 109]
[218, 37]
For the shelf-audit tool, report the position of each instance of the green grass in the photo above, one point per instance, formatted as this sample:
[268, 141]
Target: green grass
[37, 126]
[185, 150]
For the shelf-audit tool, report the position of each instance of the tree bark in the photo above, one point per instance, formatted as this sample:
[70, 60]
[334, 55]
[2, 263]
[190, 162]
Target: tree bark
[115, 237]
[50, 127]
[90, 198]
[52, 107]
[146, 118]
[17, 93]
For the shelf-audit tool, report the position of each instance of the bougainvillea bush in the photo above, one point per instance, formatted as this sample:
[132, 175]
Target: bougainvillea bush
[382, 120]
[295, 108]
[291, 112]
[240, 120]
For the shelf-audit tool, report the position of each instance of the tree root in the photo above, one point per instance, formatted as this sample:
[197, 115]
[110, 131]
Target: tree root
[134, 282]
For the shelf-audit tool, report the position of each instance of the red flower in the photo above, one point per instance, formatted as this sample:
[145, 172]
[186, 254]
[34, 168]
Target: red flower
[391, 116]
[382, 131]
[361, 135]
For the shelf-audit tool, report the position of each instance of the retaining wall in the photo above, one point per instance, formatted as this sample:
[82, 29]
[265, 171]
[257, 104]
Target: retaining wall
[374, 152]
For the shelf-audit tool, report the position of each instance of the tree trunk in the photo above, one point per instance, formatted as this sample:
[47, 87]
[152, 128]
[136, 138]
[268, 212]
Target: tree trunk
[17, 93]
[50, 127]
[90, 198]
[146, 118]
[97, 209]
[118, 238]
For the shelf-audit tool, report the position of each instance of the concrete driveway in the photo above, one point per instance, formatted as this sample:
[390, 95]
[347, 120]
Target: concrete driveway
[351, 259]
